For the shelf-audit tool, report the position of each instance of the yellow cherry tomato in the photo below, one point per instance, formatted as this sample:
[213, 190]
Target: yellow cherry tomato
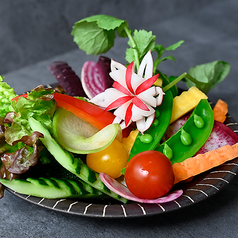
[110, 160]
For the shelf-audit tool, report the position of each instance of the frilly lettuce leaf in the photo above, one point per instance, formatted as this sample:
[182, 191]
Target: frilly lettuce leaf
[6, 94]
[39, 105]
[19, 149]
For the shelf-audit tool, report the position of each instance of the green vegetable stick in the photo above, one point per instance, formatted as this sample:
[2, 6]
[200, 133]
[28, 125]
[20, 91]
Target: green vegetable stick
[74, 165]
[52, 188]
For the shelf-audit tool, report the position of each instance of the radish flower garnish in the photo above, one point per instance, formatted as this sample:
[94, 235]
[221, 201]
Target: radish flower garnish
[132, 95]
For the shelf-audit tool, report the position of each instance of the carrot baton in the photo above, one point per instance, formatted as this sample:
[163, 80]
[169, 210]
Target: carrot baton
[220, 110]
[203, 162]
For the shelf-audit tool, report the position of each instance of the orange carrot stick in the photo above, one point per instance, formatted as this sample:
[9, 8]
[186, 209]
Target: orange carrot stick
[220, 110]
[203, 162]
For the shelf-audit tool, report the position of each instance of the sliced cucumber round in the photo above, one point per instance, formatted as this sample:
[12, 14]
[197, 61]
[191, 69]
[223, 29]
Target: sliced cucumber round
[79, 136]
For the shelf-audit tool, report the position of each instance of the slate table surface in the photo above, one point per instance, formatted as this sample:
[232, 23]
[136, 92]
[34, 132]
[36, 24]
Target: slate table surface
[210, 34]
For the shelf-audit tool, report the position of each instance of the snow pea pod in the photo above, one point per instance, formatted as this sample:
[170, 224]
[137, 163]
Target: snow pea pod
[191, 136]
[154, 134]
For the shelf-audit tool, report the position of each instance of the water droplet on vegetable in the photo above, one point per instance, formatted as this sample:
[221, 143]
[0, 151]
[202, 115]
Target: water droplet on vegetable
[185, 138]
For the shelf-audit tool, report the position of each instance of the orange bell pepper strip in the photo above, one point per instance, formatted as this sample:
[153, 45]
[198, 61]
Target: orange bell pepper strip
[91, 113]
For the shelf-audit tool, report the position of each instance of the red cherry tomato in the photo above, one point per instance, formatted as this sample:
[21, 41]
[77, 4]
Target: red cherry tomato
[149, 175]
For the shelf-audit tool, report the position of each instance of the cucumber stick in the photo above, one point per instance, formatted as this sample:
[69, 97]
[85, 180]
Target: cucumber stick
[52, 188]
[72, 164]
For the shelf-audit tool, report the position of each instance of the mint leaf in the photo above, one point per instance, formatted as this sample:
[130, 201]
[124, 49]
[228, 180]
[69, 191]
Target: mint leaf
[144, 41]
[207, 76]
[95, 35]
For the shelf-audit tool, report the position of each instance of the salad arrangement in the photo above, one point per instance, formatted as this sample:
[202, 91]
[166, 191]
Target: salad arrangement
[119, 131]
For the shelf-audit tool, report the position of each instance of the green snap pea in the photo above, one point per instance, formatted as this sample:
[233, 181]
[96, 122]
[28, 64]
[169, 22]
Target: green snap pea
[154, 134]
[191, 136]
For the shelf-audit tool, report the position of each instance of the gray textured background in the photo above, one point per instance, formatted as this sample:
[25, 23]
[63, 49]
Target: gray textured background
[33, 30]
[36, 33]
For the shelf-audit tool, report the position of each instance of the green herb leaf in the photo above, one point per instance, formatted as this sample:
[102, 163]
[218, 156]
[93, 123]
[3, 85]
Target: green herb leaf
[166, 58]
[105, 22]
[130, 55]
[174, 46]
[144, 40]
[207, 76]
[160, 50]
[95, 35]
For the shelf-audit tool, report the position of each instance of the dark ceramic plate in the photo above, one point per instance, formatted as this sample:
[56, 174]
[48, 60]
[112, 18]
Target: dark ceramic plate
[199, 189]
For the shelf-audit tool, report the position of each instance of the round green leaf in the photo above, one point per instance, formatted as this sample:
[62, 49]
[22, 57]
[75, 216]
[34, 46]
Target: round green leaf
[105, 22]
[95, 35]
[91, 38]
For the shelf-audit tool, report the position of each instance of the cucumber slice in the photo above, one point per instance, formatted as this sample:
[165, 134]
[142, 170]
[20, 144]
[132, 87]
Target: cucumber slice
[74, 165]
[52, 188]
[79, 136]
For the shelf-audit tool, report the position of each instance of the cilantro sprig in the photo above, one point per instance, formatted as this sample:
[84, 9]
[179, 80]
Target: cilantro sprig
[96, 34]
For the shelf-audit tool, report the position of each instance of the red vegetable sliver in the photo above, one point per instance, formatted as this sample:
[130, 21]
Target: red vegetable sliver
[118, 102]
[121, 88]
[128, 114]
[129, 71]
[140, 104]
[148, 83]
[22, 95]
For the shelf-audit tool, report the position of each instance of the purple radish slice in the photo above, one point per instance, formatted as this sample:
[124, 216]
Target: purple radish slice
[123, 191]
[67, 78]
[221, 135]
[95, 76]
